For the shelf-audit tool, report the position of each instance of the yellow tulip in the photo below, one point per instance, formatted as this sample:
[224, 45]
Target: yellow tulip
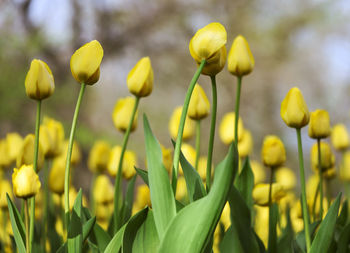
[273, 152]
[258, 171]
[181, 189]
[5, 188]
[225, 218]
[25, 182]
[345, 167]
[26, 153]
[340, 137]
[327, 157]
[330, 173]
[294, 111]
[103, 213]
[174, 125]
[319, 126]
[76, 153]
[99, 157]
[39, 82]
[103, 190]
[189, 153]
[227, 128]
[199, 106]
[286, 177]
[261, 224]
[56, 176]
[140, 78]
[4, 157]
[142, 199]
[209, 44]
[202, 168]
[14, 142]
[54, 137]
[261, 193]
[167, 158]
[122, 114]
[240, 58]
[312, 185]
[85, 63]
[128, 166]
[245, 145]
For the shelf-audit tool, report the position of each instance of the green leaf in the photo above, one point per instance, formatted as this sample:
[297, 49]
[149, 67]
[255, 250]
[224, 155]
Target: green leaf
[324, 235]
[230, 242]
[273, 218]
[162, 196]
[343, 216]
[143, 174]
[75, 230]
[87, 227]
[285, 242]
[245, 183]
[300, 242]
[116, 242]
[17, 226]
[191, 229]
[146, 239]
[63, 248]
[344, 240]
[129, 199]
[241, 222]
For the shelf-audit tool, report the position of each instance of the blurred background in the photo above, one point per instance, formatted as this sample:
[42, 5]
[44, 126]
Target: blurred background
[294, 42]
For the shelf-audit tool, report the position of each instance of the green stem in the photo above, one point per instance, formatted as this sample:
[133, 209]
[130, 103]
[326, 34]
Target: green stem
[117, 188]
[271, 228]
[69, 156]
[238, 97]
[198, 142]
[182, 125]
[46, 203]
[315, 202]
[212, 131]
[303, 192]
[270, 188]
[320, 169]
[92, 199]
[26, 218]
[35, 166]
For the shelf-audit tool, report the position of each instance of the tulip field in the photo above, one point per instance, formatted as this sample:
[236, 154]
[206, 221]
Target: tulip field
[180, 200]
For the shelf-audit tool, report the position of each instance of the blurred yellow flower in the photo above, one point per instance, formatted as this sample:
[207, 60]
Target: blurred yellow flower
[327, 157]
[319, 126]
[174, 125]
[52, 138]
[245, 145]
[261, 193]
[26, 153]
[286, 177]
[99, 156]
[312, 185]
[226, 216]
[56, 176]
[25, 182]
[294, 111]
[240, 58]
[209, 44]
[345, 167]
[167, 158]
[340, 137]
[14, 142]
[202, 168]
[140, 78]
[258, 171]
[330, 173]
[5, 188]
[181, 189]
[76, 153]
[103, 190]
[189, 153]
[4, 157]
[143, 198]
[273, 153]
[227, 128]
[129, 162]
[85, 63]
[39, 82]
[122, 114]
[199, 106]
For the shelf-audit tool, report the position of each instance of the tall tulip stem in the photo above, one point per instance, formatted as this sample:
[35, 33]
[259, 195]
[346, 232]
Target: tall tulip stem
[117, 189]
[182, 124]
[69, 155]
[238, 98]
[26, 221]
[321, 177]
[198, 142]
[303, 192]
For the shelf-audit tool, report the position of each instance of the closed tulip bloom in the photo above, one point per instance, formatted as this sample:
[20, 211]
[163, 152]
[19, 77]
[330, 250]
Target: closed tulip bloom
[245, 145]
[14, 142]
[294, 111]
[85, 63]
[261, 193]
[54, 137]
[25, 182]
[140, 78]
[5, 188]
[240, 58]
[128, 166]
[340, 137]
[327, 157]
[39, 82]
[76, 153]
[209, 44]
[167, 158]
[189, 153]
[199, 107]
[99, 156]
[26, 153]
[56, 176]
[227, 128]
[202, 168]
[142, 199]
[181, 189]
[345, 167]
[103, 190]
[4, 157]
[286, 177]
[174, 125]
[273, 153]
[122, 114]
[319, 126]
[258, 171]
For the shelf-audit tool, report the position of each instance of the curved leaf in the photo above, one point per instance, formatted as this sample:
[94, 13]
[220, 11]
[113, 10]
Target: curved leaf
[17, 226]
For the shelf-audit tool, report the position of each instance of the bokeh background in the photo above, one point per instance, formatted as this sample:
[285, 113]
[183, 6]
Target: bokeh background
[294, 42]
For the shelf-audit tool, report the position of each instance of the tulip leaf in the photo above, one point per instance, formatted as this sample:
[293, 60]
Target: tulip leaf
[143, 174]
[129, 199]
[343, 216]
[324, 236]
[344, 240]
[230, 242]
[273, 218]
[63, 248]
[245, 183]
[146, 239]
[300, 242]
[192, 228]
[87, 227]
[75, 230]
[241, 222]
[17, 225]
[162, 196]
[115, 244]
[285, 242]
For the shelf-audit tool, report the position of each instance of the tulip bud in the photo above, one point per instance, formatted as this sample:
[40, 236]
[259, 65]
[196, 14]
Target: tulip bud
[5, 188]
[142, 199]
[122, 114]
[345, 167]
[181, 189]
[25, 182]
[312, 185]
[261, 193]
[294, 110]
[167, 158]
[51, 137]
[85, 63]
[76, 153]
[128, 166]
[4, 157]
[56, 176]
[39, 81]
[26, 153]
[14, 141]
[245, 145]
[273, 153]
[174, 125]
[240, 59]
[199, 106]
[189, 153]
[340, 137]
[258, 171]
[202, 168]
[99, 156]
[286, 177]
[140, 78]
[209, 44]
[103, 190]
[327, 157]
[319, 126]
[227, 128]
